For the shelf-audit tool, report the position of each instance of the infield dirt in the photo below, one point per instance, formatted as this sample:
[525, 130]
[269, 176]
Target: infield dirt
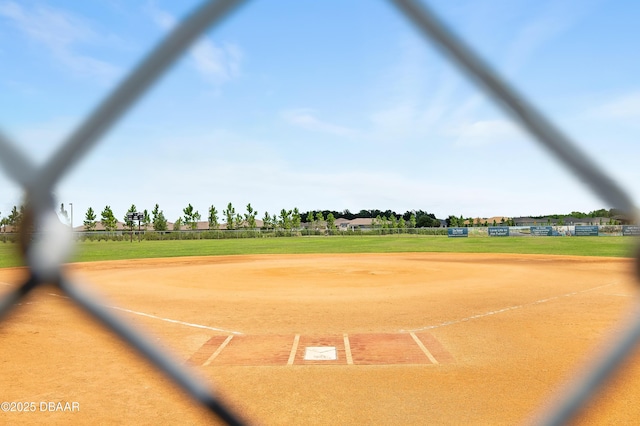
[419, 338]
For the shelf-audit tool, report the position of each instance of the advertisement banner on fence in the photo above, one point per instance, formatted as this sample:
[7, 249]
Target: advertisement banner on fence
[630, 230]
[498, 231]
[541, 231]
[458, 232]
[519, 231]
[563, 231]
[586, 230]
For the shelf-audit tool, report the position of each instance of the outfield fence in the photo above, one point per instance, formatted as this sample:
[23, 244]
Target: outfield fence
[45, 255]
[148, 235]
[473, 232]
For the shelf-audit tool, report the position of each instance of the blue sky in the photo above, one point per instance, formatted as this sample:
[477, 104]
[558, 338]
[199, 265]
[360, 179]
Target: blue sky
[324, 105]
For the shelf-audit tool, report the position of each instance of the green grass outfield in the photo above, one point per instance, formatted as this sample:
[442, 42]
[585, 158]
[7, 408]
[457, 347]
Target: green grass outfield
[115, 250]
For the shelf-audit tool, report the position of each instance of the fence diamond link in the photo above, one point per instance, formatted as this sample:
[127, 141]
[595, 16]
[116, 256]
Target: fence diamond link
[45, 257]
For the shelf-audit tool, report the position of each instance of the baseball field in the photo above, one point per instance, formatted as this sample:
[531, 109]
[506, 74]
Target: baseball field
[325, 330]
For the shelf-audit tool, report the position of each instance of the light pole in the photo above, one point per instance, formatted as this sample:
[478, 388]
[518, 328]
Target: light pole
[71, 208]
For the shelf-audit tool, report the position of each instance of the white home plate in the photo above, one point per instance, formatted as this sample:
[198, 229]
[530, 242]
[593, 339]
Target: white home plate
[320, 353]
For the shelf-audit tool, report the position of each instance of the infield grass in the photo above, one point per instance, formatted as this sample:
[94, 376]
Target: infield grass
[118, 250]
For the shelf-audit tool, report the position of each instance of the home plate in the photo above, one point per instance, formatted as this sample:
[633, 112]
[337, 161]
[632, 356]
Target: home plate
[320, 353]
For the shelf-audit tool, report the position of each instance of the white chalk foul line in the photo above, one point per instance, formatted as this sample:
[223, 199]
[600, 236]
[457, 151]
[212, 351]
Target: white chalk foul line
[188, 324]
[294, 349]
[423, 348]
[347, 349]
[509, 308]
[217, 352]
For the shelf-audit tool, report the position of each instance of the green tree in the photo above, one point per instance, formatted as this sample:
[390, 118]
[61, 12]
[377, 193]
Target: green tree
[230, 214]
[177, 225]
[426, 220]
[196, 219]
[266, 221]
[191, 217]
[158, 220]
[250, 217]
[154, 213]
[146, 219]
[108, 219]
[394, 221]
[319, 219]
[296, 219]
[90, 220]
[213, 218]
[402, 224]
[413, 221]
[130, 223]
[285, 219]
[377, 222]
[331, 222]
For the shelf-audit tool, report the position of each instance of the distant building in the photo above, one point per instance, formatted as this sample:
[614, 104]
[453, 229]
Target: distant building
[353, 224]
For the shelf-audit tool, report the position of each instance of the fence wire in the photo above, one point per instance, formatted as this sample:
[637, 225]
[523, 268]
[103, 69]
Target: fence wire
[45, 256]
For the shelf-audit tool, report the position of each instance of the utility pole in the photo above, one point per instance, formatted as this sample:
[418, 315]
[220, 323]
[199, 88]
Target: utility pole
[71, 208]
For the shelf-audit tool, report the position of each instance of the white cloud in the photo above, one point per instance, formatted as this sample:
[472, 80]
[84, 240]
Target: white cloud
[416, 92]
[306, 119]
[395, 120]
[49, 26]
[556, 18]
[216, 63]
[487, 132]
[624, 107]
[59, 32]
[163, 19]
[533, 35]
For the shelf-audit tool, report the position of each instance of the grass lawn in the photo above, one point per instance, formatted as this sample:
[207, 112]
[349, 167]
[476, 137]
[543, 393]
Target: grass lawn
[114, 250]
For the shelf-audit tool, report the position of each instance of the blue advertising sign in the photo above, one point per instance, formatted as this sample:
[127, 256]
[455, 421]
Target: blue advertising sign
[541, 231]
[458, 232]
[630, 230]
[498, 231]
[586, 230]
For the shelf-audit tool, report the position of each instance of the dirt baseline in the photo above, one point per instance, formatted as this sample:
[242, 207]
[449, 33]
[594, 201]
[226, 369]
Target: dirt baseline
[317, 339]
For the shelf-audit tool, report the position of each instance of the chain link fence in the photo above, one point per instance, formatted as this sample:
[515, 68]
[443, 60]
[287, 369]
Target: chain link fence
[45, 255]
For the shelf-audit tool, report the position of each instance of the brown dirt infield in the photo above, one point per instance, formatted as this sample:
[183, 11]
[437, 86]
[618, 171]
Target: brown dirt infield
[418, 338]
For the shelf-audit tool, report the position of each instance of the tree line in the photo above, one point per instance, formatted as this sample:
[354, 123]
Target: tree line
[232, 219]
[285, 219]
